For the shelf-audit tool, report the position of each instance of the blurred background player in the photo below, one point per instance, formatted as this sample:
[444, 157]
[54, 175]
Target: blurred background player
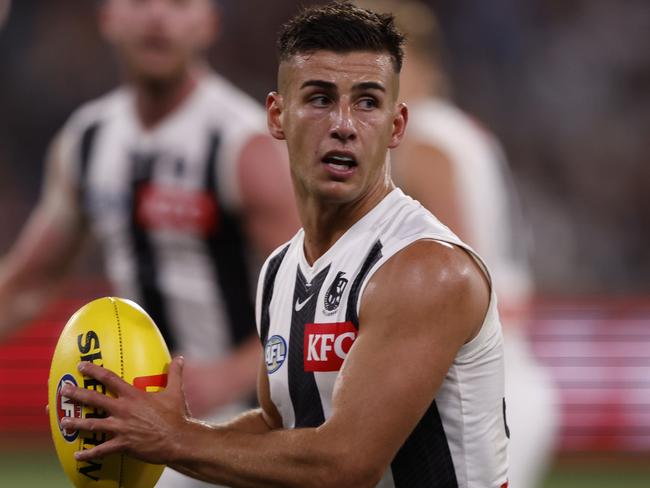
[457, 169]
[175, 174]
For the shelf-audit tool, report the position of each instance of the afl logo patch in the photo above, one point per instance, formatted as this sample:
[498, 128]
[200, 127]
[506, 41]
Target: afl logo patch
[65, 407]
[275, 352]
[334, 293]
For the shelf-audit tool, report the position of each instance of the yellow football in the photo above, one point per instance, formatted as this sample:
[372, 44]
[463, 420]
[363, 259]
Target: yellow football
[119, 335]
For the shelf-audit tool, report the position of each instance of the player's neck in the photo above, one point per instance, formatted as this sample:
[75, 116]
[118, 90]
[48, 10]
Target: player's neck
[325, 222]
[156, 99]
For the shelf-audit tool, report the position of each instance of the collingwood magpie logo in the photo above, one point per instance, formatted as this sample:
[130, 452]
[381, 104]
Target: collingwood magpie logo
[334, 293]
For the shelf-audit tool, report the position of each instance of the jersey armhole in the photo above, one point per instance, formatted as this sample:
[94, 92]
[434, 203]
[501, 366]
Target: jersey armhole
[389, 253]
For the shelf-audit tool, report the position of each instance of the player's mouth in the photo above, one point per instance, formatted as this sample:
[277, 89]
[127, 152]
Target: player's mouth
[339, 163]
[155, 43]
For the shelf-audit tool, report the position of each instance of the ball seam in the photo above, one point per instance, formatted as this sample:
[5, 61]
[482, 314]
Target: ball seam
[119, 339]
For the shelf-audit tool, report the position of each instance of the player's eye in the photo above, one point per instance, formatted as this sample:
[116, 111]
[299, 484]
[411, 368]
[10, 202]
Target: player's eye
[319, 100]
[367, 103]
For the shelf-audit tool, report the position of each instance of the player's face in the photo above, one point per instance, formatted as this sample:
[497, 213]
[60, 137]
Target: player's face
[158, 39]
[339, 115]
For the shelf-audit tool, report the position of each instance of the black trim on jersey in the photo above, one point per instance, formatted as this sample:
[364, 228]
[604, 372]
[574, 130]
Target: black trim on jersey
[424, 460]
[227, 249]
[305, 397]
[373, 256]
[505, 419]
[86, 146]
[145, 260]
[267, 292]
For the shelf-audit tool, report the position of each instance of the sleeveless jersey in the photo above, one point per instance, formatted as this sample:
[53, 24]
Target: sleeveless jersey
[163, 203]
[488, 200]
[308, 319]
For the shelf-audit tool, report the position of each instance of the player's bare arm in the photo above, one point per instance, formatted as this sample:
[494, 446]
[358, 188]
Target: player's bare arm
[44, 250]
[417, 311]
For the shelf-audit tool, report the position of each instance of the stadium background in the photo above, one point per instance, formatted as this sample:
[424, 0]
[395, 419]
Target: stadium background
[565, 84]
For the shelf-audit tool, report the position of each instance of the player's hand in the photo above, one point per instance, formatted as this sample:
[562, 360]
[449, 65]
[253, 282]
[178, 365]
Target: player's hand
[140, 424]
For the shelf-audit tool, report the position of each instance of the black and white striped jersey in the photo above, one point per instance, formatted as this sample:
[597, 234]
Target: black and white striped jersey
[308, 319]
[164, 204]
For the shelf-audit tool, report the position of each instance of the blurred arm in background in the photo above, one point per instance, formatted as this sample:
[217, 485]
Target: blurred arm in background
[44, 250]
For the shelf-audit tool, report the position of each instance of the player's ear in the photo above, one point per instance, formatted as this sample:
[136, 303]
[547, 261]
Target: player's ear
[274, 107]
[400, 120]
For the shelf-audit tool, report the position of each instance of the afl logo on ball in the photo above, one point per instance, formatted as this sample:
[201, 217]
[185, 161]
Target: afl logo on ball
[275, 352]
[65, 407]
[334, 293]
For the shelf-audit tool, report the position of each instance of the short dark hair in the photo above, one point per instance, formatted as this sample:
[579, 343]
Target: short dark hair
[341, 27]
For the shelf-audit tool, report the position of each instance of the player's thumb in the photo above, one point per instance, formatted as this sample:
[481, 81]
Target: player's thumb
[175, 376]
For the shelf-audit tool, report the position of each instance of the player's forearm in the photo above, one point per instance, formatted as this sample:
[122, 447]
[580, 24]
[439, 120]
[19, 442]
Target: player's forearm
[298, 458]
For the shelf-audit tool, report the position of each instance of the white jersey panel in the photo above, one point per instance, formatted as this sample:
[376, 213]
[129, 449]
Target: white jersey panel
[308, 320]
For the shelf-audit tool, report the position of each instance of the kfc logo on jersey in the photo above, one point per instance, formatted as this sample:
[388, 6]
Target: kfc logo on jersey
[334, 293]
[161, 208]
[327, 345]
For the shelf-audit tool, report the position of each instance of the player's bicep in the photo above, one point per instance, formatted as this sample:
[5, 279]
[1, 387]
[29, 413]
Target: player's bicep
[412, 323]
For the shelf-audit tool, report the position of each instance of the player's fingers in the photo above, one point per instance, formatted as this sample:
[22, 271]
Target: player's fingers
[105, 376]
[87, 397]
[175, 375]
[104, 449]
[90, 425]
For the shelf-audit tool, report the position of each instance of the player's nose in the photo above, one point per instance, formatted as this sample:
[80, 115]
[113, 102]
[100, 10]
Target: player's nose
[343, 127]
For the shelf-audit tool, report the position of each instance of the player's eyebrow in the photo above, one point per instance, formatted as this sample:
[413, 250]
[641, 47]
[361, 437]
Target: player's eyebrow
[328, 85]
[370, 85]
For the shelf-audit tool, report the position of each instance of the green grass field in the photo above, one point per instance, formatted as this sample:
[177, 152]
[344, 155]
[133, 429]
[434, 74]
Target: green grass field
[40, 469]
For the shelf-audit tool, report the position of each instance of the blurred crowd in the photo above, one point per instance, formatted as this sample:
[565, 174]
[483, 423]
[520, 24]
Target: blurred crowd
[565, 86]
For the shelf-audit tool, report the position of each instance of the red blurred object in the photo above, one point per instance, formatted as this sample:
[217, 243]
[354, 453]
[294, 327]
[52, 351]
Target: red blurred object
[25, 364]
[598, 352]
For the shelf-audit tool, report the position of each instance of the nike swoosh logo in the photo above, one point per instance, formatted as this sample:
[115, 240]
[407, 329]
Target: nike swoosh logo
[300, 305]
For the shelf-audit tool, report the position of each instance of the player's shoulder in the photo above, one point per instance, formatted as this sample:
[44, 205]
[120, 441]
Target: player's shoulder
[431, 277]
[98, 110]
[432, 261]
[403, 220]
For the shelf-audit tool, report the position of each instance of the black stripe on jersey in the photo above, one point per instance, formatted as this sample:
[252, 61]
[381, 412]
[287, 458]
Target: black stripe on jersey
[373, 256]
[424, 460]
[305, 397]
[267, 292]
[227, 248]
[88, 138]
[146, 266]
